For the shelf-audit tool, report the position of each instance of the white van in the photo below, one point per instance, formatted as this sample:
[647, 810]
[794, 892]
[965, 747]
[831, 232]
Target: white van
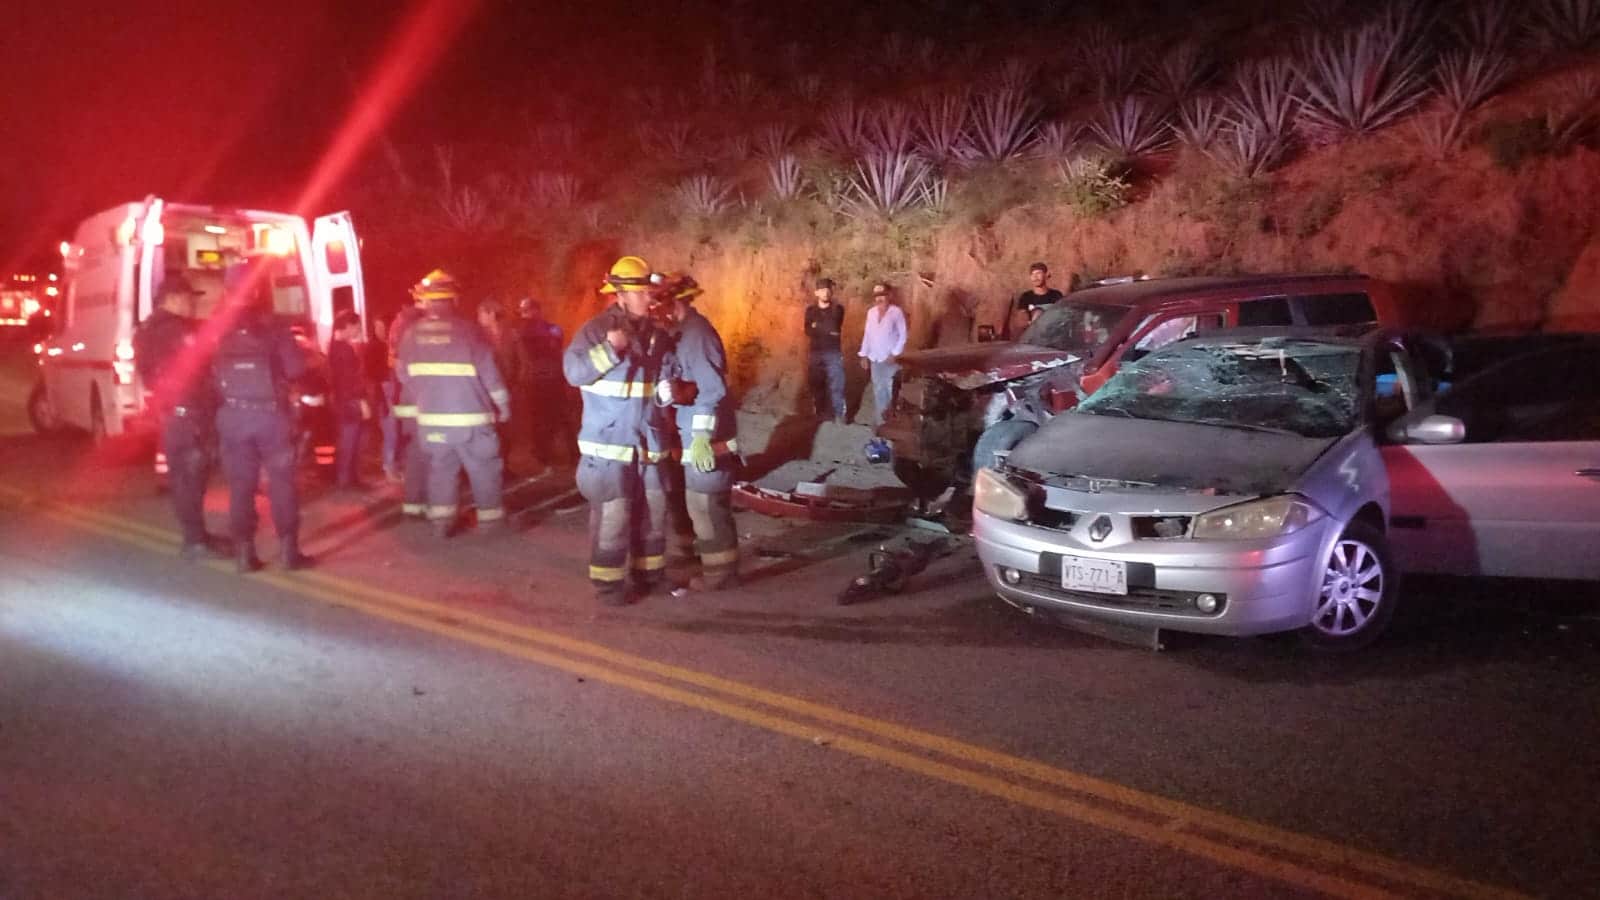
[116, 262]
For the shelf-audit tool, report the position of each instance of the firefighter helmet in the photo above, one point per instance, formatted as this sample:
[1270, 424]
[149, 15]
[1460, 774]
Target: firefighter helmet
[681, 286]
[628, 273]
[436, 285]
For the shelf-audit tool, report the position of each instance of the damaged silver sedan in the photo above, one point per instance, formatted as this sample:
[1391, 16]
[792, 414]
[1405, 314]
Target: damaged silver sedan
[1232, 485]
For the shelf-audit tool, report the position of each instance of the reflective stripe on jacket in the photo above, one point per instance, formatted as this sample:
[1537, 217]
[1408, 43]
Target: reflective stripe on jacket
[447, 365]
[621, 419]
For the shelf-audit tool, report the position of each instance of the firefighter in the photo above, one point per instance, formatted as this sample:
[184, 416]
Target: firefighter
[618, 361]
[174, 369]
[448, 365]
[706, 434]
[255, 365]
[413, 464]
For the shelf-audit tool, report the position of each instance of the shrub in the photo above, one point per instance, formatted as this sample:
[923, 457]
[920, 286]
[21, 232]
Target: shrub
[1198, 122]
[702, 195]
[942, 127]
[1090, 185]
[891, 128]
[1131, 128]
[1004, 123]
[1365, 79]
[1319, 210]
[887, 183]
[785, 177]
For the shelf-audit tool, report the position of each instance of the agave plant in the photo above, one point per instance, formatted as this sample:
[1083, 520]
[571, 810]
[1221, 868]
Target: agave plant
[1469, 77]
[1181, 71]
[1004, 123]
[1439, 132]
[808, 87]
[1246, 149]
[1320, 16]
[936, 194]
[1198, 122]
[1057, 140]
[1131, 128]
[1365, 79]
[1258, 131]
[785, 177]
[1113, 65]
[942, 127]
[743, 90]
[1487, 24]
[776, 140]
[673, 140]
[553, 190]
[1017, 74]
[1567, 24]
[738, 148]
[464, 209]
[702, 195]
[555, 139]
[845, 129]
[1577, 119]
[887, 184]
[891, 128]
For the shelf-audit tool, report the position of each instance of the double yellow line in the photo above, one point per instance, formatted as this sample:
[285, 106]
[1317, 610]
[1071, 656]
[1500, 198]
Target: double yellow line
[1283, 856]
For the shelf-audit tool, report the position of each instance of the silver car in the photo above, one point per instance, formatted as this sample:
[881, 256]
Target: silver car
[1243, 484]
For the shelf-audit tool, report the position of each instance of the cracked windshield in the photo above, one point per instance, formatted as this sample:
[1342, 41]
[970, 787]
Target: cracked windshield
[1075, 327]
[1292, 387]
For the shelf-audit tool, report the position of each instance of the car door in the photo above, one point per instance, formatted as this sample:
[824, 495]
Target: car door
[1520, 496]
[336, 265]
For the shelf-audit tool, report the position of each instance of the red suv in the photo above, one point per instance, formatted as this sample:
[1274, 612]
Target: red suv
[959, 405]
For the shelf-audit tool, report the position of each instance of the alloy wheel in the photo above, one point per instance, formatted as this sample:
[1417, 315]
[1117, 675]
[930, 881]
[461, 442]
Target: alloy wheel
[1352, 589]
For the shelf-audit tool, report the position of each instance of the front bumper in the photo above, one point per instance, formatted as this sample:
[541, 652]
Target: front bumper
[1263, 586]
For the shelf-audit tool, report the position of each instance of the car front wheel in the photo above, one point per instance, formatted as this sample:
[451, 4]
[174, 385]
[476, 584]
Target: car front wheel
[1358, 594]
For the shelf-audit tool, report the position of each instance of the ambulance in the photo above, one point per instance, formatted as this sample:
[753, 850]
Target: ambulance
[114, 266]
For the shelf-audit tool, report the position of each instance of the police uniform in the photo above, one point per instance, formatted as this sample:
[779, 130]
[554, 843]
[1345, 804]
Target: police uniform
[623, 436]
[448, 364]
[173, 367]
[413, 464]
[699, 359]
[256, 363]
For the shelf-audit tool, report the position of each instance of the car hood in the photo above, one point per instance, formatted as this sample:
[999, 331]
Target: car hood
[1168, 454]
[975, 365]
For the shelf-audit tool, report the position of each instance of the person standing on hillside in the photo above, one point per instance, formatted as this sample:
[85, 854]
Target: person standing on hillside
[825, 357]
[1030, 303]
[881, 345]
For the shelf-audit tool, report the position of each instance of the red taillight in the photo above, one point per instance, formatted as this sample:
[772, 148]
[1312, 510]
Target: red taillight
[123, 365]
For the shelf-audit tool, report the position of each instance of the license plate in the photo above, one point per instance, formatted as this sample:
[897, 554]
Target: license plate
[1094, 576]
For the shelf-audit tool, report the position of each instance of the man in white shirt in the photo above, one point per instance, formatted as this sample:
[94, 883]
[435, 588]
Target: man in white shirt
[881, 345]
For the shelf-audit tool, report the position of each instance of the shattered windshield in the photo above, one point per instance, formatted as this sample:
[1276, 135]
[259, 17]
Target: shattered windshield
[1295, 387]
[1075, 327]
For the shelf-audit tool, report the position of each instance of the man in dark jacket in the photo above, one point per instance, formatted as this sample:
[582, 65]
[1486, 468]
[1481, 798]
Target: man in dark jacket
[174, 369]
[707, 430]
[447, 365]
[546, 398]
[349, 396]
[825, 357]
[256, 364]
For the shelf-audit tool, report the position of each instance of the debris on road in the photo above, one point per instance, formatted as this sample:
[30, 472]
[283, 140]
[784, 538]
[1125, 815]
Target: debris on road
[891, 565]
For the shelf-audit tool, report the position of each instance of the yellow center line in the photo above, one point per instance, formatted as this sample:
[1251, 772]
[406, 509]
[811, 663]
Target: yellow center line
[1177, 822]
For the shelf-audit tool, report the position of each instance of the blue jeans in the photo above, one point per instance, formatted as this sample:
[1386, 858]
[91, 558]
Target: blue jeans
[347, 452]
[826, 375]
[389, 428]
[883, 374]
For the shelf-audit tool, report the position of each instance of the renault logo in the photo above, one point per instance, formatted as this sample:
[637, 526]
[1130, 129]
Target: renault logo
[1100, 529]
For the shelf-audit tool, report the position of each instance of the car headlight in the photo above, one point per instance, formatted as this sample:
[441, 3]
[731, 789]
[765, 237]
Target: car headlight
[1271, 517]
[993, 494]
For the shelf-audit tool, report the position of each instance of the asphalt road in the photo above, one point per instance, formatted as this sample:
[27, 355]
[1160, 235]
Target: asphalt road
[445, 721]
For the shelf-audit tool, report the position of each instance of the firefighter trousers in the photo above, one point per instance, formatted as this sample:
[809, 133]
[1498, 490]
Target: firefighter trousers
[707, 502]
[627, 525]
[413, 470]
[479, 455]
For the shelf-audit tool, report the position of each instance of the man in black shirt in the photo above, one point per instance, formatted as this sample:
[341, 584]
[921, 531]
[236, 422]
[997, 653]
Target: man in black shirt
[350, 393]
[175, 370]
[825, 360]
[1033, 301]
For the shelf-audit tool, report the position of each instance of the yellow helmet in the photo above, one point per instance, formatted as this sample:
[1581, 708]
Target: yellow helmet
[436, 285]
[628, 273]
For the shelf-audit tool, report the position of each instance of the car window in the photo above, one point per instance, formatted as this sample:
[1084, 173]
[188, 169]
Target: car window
[1337, 309]
[1549, 395]
[1173, 329]
[1074, 327]
[1265, 311]
[1292, 386]
[1396, 389]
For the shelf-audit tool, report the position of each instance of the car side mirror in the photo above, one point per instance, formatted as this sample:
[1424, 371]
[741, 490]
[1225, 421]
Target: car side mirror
[985, 333]
[1433, 429]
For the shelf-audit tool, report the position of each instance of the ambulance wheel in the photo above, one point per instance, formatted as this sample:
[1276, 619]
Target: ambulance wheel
[41, 413]
[97, 418]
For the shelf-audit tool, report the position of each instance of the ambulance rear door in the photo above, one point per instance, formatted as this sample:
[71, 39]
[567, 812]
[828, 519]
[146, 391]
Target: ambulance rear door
[336, 270]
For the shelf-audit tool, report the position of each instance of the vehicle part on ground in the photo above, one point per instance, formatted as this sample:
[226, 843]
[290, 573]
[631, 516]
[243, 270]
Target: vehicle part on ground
[1358, 596]
[891, 566]
[795, 505]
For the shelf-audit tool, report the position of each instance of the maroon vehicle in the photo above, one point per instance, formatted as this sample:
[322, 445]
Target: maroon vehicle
[958, 406]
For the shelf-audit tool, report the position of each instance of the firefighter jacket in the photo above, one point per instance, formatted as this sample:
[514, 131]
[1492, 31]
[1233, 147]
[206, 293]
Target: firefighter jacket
[698, 358]
[173, 365]
[622, 420]
[447, 364]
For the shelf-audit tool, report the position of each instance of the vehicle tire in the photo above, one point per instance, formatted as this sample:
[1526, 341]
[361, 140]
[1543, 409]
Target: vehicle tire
[1001, 436]
[41, 412]
[1360, 590]
[97, 419]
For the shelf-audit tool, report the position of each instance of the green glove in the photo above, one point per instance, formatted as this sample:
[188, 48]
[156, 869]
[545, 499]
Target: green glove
[700, 455]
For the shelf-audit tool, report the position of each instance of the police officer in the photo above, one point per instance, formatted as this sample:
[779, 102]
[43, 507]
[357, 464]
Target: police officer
[174, 368]
[618, 361]
[257, 362]
[706, 433]
[448, 364]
